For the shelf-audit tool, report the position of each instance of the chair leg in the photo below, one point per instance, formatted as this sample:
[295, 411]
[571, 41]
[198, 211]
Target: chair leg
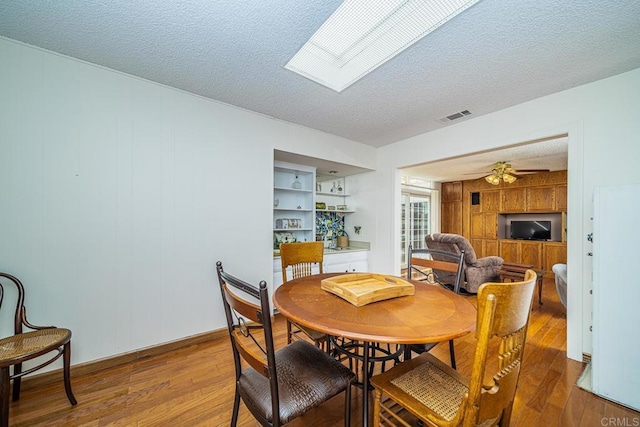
[452, 354]
[288, 331]
[17, 369]
[66, 358]
[4, 397]
[505, 420]
[236, 408]
[376, 407]
[347, 406]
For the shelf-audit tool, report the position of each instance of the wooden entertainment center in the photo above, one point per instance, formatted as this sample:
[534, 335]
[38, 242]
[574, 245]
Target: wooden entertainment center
[479, 211]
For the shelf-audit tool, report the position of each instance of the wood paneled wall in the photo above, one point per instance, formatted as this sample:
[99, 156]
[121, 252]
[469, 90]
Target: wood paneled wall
[540, 192]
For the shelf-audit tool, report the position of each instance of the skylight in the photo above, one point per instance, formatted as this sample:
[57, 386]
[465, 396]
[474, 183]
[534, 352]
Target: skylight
[361, 35]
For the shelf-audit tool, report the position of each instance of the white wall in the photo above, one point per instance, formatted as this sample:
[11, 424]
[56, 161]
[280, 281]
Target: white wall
[604, 147]
[118, 195]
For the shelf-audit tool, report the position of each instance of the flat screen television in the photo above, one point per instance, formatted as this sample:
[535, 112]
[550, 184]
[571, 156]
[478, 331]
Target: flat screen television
[531, 230]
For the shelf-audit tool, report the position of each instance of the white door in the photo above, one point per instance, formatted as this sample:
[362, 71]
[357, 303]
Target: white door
[616, 293]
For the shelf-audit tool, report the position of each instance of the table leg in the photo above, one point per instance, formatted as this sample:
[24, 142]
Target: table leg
[539, 290]
[365, 384]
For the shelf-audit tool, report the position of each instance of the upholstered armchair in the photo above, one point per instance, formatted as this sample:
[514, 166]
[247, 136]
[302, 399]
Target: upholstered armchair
[476, 270]
[560, 271]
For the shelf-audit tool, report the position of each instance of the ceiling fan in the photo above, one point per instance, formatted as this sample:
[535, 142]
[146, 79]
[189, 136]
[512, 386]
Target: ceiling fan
[503, 171]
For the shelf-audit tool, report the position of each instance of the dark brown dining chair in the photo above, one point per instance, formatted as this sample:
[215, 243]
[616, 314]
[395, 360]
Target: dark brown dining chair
[438, 395]
[276, 386]
[428, 263]
[24, 346]
[301, 258]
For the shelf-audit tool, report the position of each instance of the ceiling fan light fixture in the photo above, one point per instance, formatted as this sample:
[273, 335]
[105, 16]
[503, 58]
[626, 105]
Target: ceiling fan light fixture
[360, 36]
[492, 179]
[508, 178]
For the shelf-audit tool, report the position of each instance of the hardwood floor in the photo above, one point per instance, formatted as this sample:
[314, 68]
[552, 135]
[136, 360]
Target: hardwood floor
[194, 386]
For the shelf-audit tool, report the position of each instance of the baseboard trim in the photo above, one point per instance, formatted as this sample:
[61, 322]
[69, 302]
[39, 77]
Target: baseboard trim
[38, 380]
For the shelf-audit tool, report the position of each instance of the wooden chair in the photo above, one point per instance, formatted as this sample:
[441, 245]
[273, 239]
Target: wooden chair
[439, 395]
[24, 346]
[276, 386]
[437, 261]
[302, 258]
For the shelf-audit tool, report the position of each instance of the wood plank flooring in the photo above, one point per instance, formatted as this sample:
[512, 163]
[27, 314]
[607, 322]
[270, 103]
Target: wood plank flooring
[194, 386]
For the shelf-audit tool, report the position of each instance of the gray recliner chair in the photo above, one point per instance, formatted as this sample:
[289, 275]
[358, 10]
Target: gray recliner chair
[560, 270]
[476, 270]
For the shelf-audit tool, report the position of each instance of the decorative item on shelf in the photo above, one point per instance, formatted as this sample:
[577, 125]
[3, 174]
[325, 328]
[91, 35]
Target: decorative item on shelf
[321, 205]
[331, 208]
[318, 187]
[297, 185]
[276, 202]
[288, 223]
[283, 237]
[337, 187]
[341, 207]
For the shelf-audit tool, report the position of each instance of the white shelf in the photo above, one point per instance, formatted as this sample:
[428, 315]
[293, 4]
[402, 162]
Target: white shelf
[292, 229]
[321, 193]
[336, 210]
[295, 190]
[279, 209]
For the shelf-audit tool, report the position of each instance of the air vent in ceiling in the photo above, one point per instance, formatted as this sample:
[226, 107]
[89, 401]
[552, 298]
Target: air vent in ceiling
[455, 116]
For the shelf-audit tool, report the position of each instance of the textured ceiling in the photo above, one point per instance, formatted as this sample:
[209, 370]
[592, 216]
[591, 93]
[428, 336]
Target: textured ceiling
[549, 154]
[489, 58]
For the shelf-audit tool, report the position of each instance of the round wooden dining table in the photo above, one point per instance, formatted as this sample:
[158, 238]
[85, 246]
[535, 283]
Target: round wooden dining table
[432, 314]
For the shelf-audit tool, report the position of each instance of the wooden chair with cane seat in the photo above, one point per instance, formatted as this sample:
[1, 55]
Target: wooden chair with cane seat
[427, 262]
[301, 258]
[24, 346]
[438, 395]
[276, 386]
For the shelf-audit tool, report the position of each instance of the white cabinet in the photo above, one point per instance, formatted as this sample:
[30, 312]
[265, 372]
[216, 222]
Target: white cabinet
[293, 203]
[346, 262]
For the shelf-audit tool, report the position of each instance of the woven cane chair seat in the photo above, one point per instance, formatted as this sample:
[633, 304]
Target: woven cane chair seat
[443, 397]
[28, 345]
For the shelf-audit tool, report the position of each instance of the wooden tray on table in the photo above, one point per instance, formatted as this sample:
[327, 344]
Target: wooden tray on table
[364, 288]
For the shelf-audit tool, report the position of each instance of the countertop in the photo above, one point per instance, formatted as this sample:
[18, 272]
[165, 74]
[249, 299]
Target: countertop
[354, 247]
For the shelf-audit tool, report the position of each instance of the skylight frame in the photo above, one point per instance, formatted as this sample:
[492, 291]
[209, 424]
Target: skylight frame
[337, 56]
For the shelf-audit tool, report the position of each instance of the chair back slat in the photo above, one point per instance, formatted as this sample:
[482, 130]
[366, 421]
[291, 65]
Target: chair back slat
[513, 306]
[301, 257]
[431, 263]
[251, 353]
[242, 307]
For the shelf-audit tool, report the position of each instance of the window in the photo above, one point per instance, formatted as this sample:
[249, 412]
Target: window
[415, 219]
